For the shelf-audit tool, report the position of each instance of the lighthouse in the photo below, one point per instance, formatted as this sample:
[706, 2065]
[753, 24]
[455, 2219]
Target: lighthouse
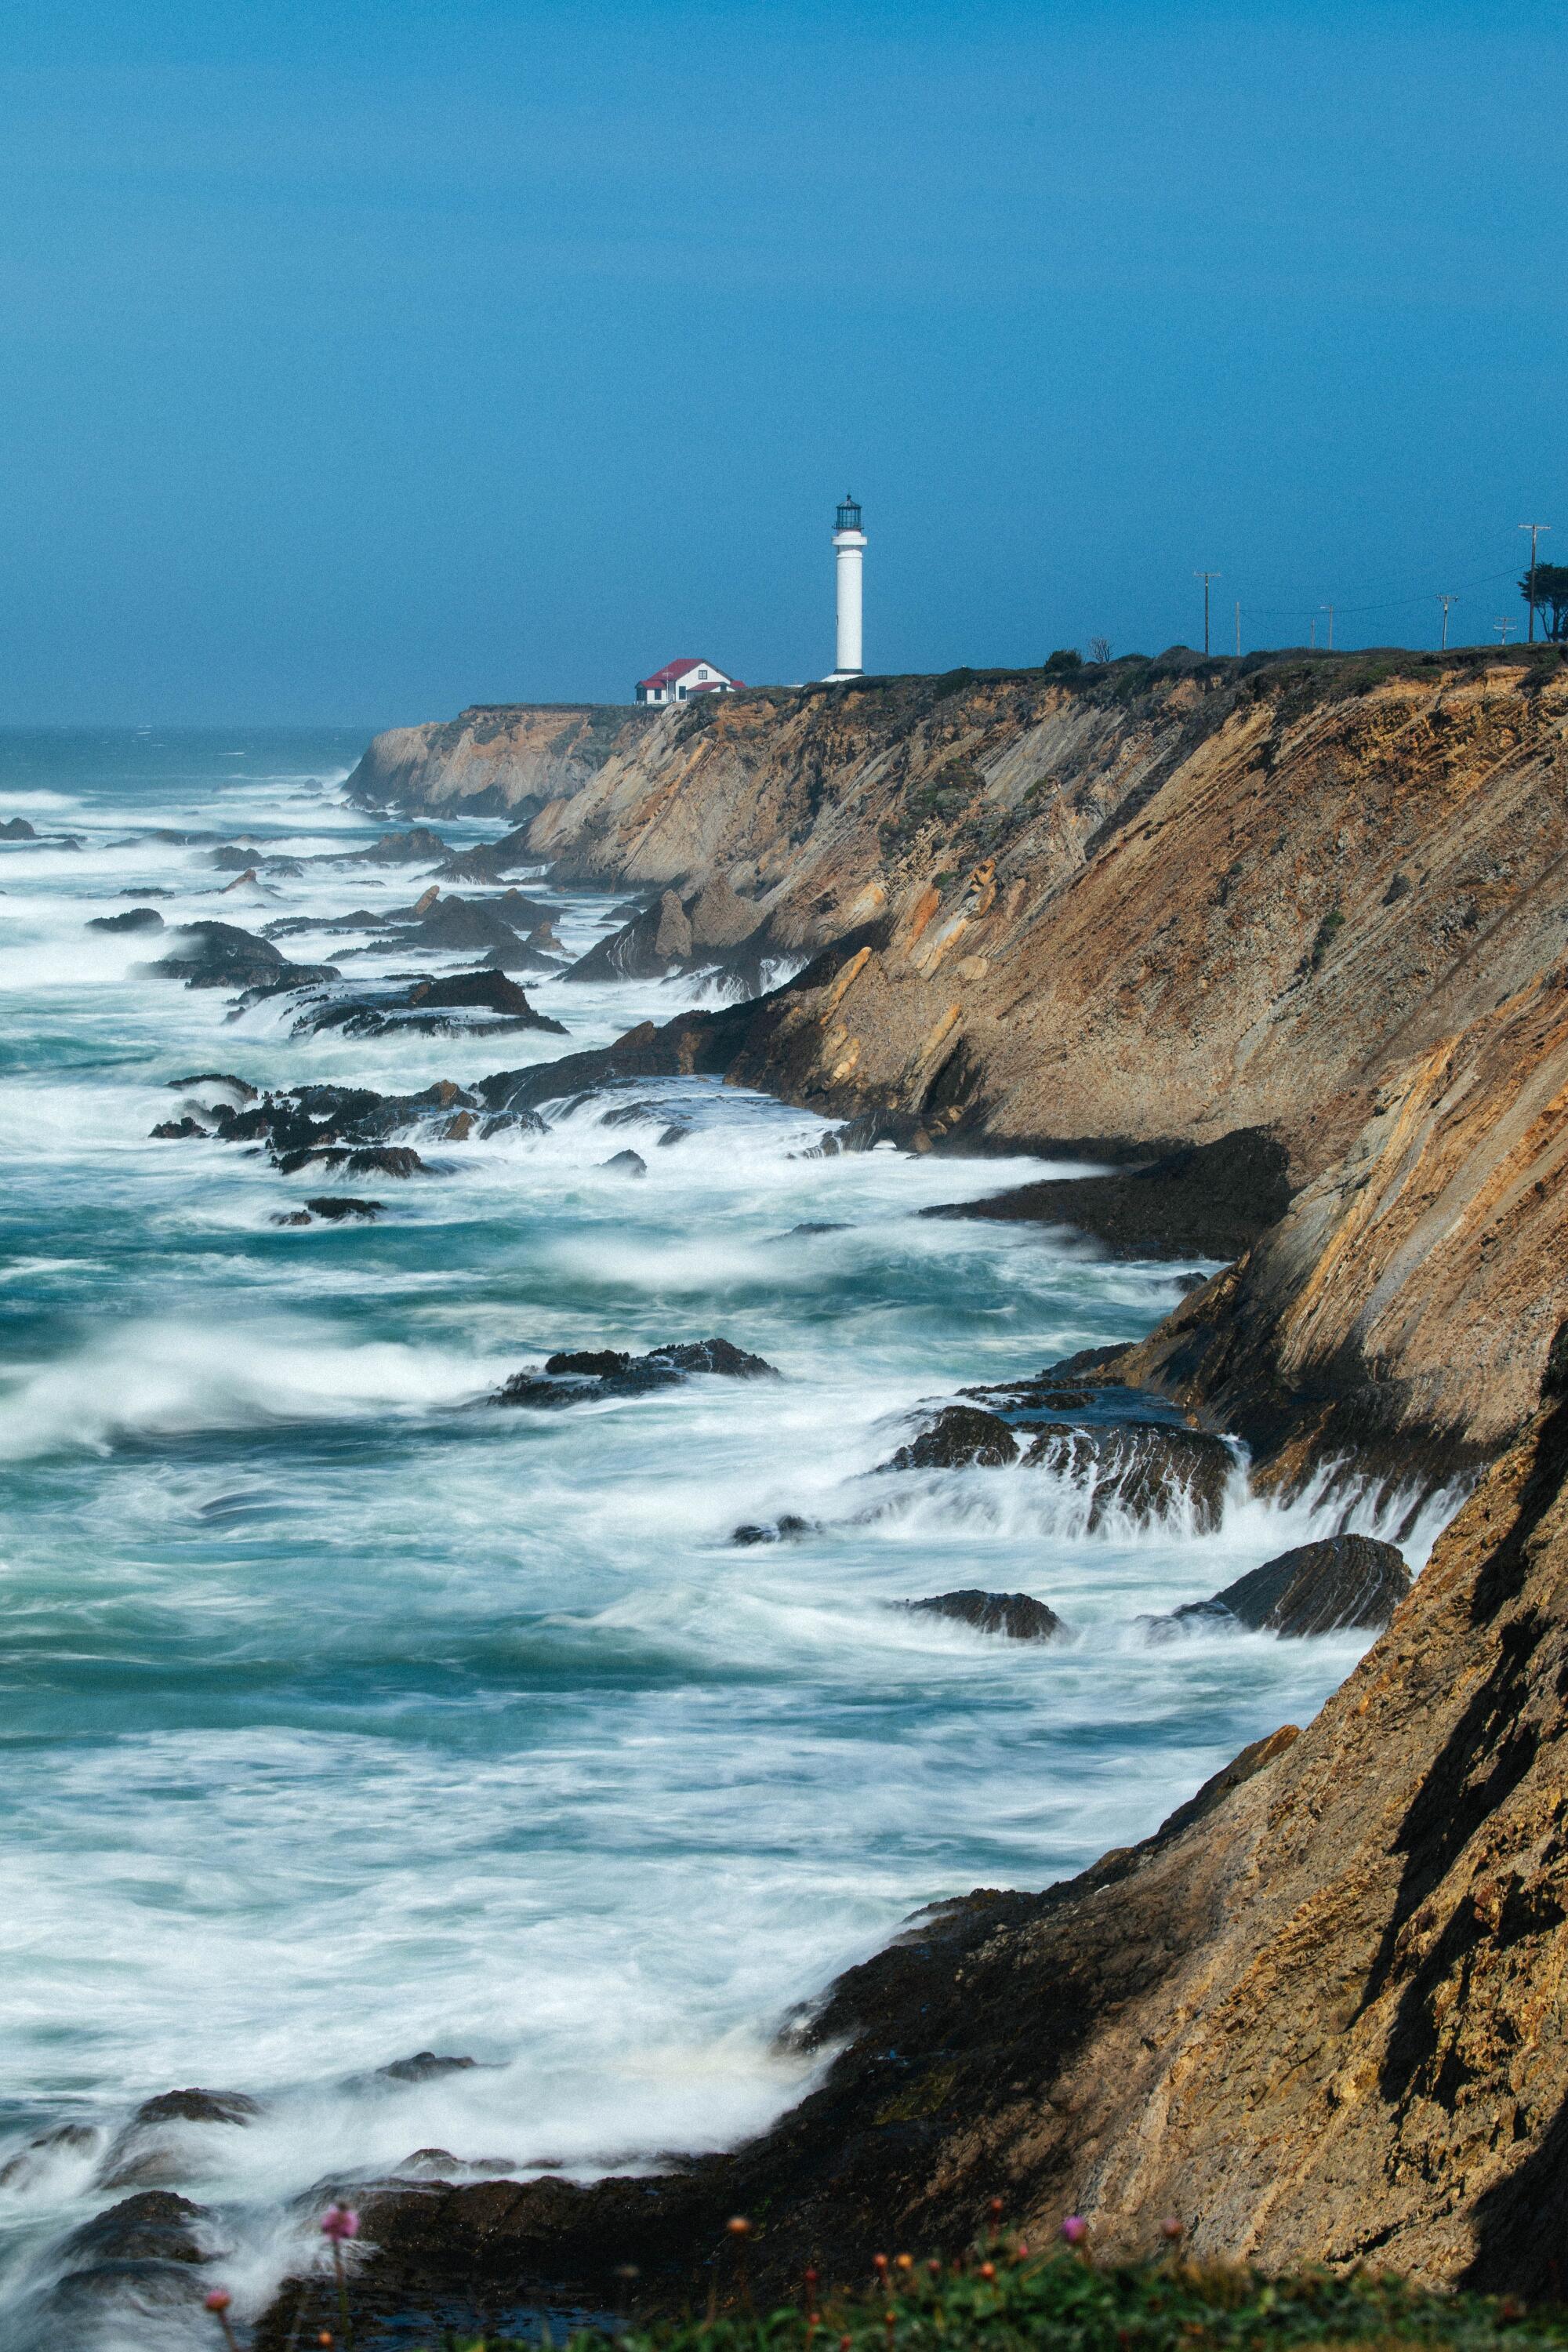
[850, 549]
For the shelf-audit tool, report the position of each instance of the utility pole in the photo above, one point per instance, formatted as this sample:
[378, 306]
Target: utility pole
[1205, 577]
[1534, 528]
[1330, 611]
[1238, 628]
[1314, 633]
[1446, 602]
[1504, 630]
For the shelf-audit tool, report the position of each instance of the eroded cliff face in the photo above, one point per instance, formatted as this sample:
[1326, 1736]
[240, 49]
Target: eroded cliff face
[1323, 2020]
[1401, 1313]
[497, 759]
[1324, 900]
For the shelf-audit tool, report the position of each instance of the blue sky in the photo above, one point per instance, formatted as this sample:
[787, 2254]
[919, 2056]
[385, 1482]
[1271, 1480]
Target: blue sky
[359, 361]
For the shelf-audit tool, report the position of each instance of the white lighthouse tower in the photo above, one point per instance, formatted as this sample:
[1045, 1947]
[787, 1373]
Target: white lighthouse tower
[850, 549]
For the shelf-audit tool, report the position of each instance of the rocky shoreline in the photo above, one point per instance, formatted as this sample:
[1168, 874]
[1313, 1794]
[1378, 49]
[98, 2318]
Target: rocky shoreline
[1278, 943]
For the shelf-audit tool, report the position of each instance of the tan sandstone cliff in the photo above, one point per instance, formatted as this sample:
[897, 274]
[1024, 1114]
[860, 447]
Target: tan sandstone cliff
[1322, 2014]
[1323, 899]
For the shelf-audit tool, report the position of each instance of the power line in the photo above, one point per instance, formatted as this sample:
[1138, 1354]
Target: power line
[1387, 604]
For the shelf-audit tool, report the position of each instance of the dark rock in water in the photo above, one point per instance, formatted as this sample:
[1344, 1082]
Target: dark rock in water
[785, 1531]
[1012, 1613]
[457, 925]
[16, 828]
[380, 1159]
[424, 2067]
[960, 1435]
[176, 1130]
[427, 1006]
[626, 1163]
[246, 1092]
[148, 2152]
[219, 955]
[229, 859]
[156, 2225]
[61, 2139]
[1205, 1199]
[415, 847]
[1147, 1470]
[135, 918]
[574, 1379]
[1345, 1582]
[197, 2106]
[331, 1208]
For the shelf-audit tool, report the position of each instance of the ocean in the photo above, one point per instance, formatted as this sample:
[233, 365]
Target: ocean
[348, 1715]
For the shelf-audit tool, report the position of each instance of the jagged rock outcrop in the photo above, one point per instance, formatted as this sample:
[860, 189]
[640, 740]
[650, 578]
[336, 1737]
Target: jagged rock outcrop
[1339, 1582]
[495, 757]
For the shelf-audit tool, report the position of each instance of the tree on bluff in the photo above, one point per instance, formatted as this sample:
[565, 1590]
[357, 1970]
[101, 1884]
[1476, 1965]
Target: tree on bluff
[1551, 599]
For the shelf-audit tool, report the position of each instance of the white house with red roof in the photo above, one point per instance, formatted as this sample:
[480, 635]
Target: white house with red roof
[679, 681]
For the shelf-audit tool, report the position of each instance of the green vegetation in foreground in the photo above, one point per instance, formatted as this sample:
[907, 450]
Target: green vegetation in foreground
[1066, 2303]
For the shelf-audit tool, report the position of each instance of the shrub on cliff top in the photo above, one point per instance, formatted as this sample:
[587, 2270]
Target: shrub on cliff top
[1005, 2301]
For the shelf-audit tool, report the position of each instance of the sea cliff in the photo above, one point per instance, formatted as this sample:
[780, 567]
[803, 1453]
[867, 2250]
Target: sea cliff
[1314, 907]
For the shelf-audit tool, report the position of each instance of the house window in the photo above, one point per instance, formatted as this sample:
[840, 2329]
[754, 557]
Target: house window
[701, 673]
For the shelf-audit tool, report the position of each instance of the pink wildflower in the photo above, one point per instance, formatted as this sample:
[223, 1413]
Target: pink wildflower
[1075, 2229]
[339, 2221]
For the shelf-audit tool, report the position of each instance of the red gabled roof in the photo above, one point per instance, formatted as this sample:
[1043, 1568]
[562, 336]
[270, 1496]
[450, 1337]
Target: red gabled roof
[672, 670]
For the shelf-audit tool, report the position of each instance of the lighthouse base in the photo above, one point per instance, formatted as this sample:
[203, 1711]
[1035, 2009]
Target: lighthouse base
[841, 678]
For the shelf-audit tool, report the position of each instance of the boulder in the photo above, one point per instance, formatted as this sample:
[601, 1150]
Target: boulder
[1142, 1470]
[1012, 1613]
[220, 955]
[150, 2152]
[1342, 1584]
[176, 1130]
[576, 1378]
[335, 1206]
[135, 918]
[16, 828]
[156, 2225]
[398, 1159]
[960, 1437]
[229, 859]
[625, 1163]
[461, 1003]
[457, 925]
[424, 2067]
[787, 1529]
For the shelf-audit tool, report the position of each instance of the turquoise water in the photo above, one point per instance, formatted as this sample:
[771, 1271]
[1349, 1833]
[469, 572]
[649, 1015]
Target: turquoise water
[347, 1716]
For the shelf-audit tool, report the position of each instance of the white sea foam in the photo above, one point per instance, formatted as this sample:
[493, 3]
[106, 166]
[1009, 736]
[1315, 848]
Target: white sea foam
[353, 1716]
